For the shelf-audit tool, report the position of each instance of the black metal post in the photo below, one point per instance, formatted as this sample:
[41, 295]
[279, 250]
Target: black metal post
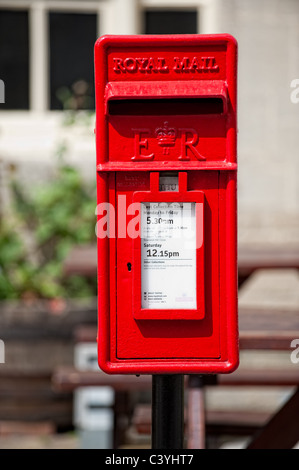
[167, 411]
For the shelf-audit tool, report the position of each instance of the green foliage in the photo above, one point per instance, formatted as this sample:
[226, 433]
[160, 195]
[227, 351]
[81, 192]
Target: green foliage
[46, 223]
[11, 256]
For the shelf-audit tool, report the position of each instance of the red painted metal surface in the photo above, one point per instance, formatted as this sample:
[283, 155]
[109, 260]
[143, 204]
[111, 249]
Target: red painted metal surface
[167, 104]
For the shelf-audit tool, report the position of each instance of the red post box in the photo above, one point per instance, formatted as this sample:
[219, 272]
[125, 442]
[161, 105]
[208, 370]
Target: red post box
[166, 176]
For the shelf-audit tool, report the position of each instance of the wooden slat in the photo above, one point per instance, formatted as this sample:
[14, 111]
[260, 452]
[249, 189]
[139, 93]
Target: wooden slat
[266, 328]
[259, 328]
[237, 418]
[22, 386]
[265, 319]
[250, 339]
[260, 377]
[58, 412]
[12, 428]
[215, 420]
[268, 256]
[85, 334]
[68, 379]
[83, 259]
[29, 396]
[266, 341]
[142, 418]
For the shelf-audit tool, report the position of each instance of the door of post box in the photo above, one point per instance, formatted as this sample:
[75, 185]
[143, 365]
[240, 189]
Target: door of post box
[166, 176]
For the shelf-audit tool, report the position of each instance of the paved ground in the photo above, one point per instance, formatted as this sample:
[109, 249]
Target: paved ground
[58, 441]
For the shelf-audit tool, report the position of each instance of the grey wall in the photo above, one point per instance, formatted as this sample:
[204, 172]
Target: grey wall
[268, 35]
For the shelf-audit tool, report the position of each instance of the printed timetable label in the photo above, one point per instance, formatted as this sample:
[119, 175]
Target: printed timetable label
[168, 255]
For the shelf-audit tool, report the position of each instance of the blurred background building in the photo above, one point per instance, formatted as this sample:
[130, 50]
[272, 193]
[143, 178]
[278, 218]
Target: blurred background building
[46, 63]
[47, 117]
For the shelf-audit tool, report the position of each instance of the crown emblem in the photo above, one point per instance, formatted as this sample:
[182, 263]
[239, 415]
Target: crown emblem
[166, 136]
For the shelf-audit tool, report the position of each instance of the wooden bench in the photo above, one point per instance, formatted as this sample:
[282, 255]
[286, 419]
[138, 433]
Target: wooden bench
[260, 329]
[198, 421]
[251, 258]
[215, 422]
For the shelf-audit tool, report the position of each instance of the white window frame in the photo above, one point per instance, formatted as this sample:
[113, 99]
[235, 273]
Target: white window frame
[113, 17]
[206, 11]
[38, 10]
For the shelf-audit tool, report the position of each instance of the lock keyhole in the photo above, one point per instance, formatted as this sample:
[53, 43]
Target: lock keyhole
[129, 265]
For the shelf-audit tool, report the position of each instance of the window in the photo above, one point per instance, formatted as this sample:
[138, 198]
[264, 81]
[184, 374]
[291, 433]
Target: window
[170, 21]
[14, 58]
[72, 38]
[46, 47]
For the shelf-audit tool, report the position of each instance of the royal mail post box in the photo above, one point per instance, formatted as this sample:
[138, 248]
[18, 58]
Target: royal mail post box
[166, 215]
